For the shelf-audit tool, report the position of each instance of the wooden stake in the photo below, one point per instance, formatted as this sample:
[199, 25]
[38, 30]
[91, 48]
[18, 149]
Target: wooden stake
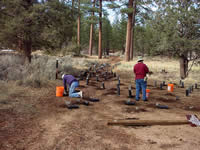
[147, 122]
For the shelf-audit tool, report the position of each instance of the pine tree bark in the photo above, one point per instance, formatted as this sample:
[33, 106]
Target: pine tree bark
[183, 66]
[91, 32]
[78, 24]
[128, 32]
[133, 31]
[72, 8]
[100, 30]
[27, 50]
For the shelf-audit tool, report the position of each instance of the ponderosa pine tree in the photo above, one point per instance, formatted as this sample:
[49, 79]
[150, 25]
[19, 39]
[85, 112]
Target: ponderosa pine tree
[100, 30]
[91, 30]
[179, 34]
[30, 24]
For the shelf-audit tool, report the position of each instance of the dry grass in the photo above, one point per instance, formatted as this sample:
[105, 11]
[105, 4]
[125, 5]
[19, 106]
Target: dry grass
[41, 69]
[157, 64]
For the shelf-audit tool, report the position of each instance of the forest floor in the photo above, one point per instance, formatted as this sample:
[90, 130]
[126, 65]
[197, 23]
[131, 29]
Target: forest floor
[34, 119]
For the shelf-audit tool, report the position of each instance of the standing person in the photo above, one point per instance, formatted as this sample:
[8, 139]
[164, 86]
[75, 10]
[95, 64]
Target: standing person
[140, 70]
[73, 83]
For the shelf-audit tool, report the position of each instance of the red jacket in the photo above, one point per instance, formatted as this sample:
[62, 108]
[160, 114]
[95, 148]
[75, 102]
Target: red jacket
[140, 71]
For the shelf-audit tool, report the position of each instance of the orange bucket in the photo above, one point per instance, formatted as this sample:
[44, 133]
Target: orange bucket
[170, 87]
[59, 91]
[147, 93]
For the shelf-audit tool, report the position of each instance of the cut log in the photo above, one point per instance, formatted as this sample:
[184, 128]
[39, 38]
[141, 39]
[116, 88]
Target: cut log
[147, 122]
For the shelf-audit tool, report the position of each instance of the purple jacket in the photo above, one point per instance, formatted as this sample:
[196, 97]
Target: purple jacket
[68, 79]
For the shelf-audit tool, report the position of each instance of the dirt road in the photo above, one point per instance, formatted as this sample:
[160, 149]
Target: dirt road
[40, 121]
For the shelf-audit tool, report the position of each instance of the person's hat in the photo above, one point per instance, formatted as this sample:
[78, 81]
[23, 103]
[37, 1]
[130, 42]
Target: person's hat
[140, 59]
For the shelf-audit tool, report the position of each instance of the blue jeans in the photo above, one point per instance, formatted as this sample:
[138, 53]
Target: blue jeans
[141, 84]
[72, 88]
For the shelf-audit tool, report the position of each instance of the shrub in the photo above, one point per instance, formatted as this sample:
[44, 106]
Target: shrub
[71, 49]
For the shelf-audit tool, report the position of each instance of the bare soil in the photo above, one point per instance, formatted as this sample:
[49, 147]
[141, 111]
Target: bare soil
[34, 119]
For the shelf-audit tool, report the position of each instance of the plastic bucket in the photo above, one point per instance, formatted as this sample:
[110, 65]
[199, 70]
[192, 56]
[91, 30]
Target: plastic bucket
[59, 91]
[170, 87]
[147, 93]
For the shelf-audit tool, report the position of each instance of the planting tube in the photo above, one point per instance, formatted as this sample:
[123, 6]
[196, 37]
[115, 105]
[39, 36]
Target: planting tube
[187, 92]
[161, 86]
[103, 85]
[87, 81]
[196, 86]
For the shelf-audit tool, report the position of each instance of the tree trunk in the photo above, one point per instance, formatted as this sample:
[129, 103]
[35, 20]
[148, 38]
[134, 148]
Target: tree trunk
[128, 32]
[72, 7]
[27, 50]
[91, 33]
[132, 32]
[100, 30]
[78, 24]
[107, 47]
[183, 66]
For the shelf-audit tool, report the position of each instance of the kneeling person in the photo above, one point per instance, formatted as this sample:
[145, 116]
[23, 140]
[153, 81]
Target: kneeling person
[73, 83]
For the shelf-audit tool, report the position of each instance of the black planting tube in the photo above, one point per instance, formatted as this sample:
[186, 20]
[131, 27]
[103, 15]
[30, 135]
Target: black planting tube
[56, 68]
[103, 85]
[196, 86]
[114, 74]
[87, 81]
[187, 92]
[161, 86]
[118, 89]
[182, 84]
[129, 92]
[97, 78]
[155, 83]
[105, 77]
[163, 83]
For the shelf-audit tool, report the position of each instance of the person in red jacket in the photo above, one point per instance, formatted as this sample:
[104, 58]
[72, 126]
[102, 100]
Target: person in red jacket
[140, 70]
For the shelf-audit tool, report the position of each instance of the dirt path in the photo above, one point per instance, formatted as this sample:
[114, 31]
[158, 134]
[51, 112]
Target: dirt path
[54, 127]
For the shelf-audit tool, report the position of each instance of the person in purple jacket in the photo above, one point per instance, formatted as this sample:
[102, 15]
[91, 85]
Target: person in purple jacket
[73, 83]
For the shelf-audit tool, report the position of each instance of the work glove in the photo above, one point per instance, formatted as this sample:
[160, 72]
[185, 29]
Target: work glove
[145, 78]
